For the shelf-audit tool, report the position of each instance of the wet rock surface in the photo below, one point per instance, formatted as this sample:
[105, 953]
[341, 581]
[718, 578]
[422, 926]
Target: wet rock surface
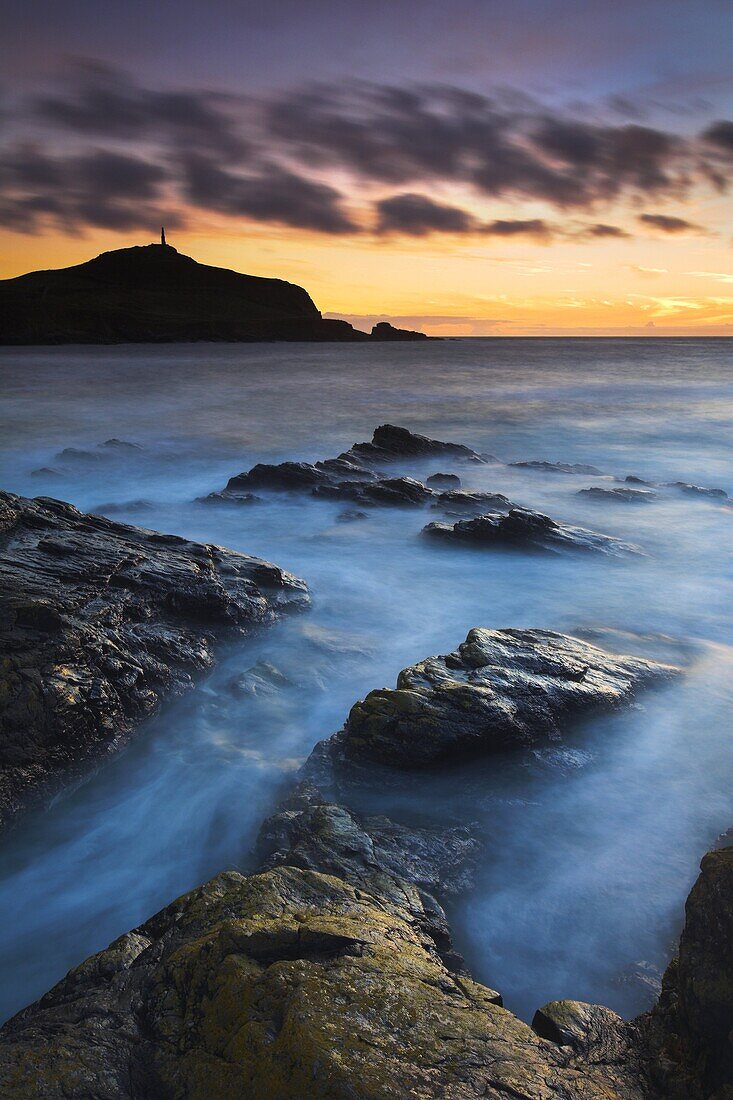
[544, 467]
[100, 622]
[340, 478]
[618, 495]
[524, 529]
[501, 690]
[331, 972]
[295, 984]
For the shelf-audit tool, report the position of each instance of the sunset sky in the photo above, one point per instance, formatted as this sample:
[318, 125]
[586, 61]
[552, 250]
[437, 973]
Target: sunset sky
[503, 167]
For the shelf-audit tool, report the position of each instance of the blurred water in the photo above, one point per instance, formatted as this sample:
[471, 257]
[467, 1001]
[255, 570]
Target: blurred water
[589, 856]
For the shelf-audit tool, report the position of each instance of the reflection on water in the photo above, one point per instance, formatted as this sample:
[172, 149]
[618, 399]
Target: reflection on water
[588, 857]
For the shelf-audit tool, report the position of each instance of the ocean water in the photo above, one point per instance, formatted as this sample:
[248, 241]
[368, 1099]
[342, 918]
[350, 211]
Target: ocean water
[588, 853]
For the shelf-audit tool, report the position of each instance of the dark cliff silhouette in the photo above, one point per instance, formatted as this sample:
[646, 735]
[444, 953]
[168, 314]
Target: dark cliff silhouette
[153, 294]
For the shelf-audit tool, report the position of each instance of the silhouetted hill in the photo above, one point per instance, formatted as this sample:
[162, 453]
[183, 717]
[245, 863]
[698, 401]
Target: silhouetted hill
[153, 294]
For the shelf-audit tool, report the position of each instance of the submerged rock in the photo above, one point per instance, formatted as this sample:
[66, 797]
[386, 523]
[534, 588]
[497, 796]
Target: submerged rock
[524, 529]
[559, 467]
[698, 490]
[101, 621]
[619, 495]
[350, 515]
[500, 690]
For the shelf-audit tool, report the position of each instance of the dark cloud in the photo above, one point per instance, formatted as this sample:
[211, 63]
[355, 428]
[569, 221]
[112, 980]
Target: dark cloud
[530, 227]
[110, 151]
[666, 223]
[720, 134]
[99, 188]
[600, 230]
[273, 195]
[417, 215]
[102, 102]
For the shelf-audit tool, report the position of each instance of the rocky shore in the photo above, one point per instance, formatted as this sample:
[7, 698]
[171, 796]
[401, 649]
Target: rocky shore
[100, 623]
[329, 973]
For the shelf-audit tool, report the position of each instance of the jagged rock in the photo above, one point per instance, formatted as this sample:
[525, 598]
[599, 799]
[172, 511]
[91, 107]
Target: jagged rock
[622, 496]
[390, 442]
[466, 500]
[632, 480]
[500, 690]
[698, 490]
[100, 621]
[293, 985]
[443, 481]
[691, 1028]
[284, 475]
[339, 477]
[406, 866]
[387, 490]
[528, 530]
[559, 467]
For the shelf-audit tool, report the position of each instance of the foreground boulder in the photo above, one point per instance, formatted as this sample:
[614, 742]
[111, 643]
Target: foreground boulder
[295, 985]
[524, 529]
[291, 985]
[500, 690]
[101, 621]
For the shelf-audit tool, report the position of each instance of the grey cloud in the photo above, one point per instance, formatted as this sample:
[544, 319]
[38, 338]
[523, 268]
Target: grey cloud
[667, 223]
[417, 215]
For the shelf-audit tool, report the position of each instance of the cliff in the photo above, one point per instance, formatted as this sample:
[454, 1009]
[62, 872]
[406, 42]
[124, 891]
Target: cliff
[153, 294]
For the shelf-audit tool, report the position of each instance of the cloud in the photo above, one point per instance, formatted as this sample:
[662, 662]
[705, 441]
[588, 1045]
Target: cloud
[528, 227]
[600, 230]
[274, 194]
[98, 188]
[103, 148]
[101, 101]
[667, 223]
[416, 216]
[720, 134]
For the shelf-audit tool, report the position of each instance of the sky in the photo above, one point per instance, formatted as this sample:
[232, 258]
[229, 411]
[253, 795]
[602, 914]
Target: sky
[503, 167]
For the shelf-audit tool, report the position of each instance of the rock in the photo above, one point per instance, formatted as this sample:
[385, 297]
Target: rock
[632, 480]
[388, 490]
[262, 678]
[339, 477]
[523, 529]
[390, 442]
[46, 471]
[349, 515]
[293, 985]
[283, 476]
[500, 690]
[227, 497]
[698, 490]
[443, 481]
[384, 331]
[691, 1028]
[99, 623]
[457, 501]
[406, 866]
[113, 507]
[559, 467]
[621, 496]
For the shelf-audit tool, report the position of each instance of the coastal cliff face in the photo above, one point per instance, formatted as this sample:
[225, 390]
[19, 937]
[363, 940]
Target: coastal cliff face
[100, 622]
[153, 294]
